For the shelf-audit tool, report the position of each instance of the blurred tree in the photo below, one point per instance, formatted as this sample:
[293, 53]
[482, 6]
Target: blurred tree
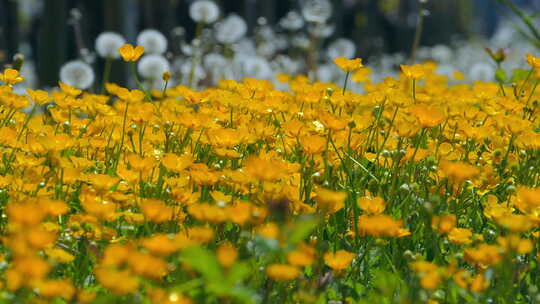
[9, 30]
[52, 41]
[375, 25]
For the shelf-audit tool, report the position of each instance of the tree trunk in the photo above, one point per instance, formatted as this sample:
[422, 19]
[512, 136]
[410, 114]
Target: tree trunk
[52, 41]
[9, 30]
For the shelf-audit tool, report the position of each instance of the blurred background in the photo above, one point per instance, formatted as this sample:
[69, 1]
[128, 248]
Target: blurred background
[52, 32]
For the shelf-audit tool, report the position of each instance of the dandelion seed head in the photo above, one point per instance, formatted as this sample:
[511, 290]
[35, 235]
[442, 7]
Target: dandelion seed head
[317, 11]
[153, 41]
[153, 66]
[292, 21]
[204, 11]
[108, 43]
[77, 74]
[231, 29]
[341, 47]
[481, 71]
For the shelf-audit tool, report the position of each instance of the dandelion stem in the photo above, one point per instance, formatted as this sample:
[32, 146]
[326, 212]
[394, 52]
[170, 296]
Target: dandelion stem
[345, 83]
[106, 73]
[194, 57]
[418, 32]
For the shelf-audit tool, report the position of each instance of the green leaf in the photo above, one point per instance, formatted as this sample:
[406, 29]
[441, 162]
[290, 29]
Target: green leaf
[500, 75]
[203, 261]
[238, 272]
[302, 229]
[519, 74]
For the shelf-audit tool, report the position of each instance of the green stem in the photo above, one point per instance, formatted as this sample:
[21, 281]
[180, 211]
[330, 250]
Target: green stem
[530, 96]
[345, 83]
[194, 59]
[414, 90]
[106, 73]
[418, 32]
[524, 18]
[138, 82]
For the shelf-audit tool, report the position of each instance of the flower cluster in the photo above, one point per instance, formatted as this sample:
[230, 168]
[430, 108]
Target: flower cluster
[279, 189]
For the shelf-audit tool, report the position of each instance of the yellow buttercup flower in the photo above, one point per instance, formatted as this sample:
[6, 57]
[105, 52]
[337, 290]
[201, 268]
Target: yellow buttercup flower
[227, 254]
[348, 65]
[338, 260]
[282, 272]
[11, 77]
[461, 236]
[40, 97]
[534, 62]
[415, 72]
[130, 53]
[370, 205]
[330, 201]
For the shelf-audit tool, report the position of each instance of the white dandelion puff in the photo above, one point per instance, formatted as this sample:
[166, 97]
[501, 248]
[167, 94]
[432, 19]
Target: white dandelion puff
[482, 71]
[231, 29]
[292, 21]
[153, 41]
[341, 48]
[204, 11]
[108, 43]
[317, 11]
[77, 74]
[257, 67]
[153, 66]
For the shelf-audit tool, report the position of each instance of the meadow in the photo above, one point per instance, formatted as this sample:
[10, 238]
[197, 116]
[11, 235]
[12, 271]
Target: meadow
[415, 191]
[272, 169]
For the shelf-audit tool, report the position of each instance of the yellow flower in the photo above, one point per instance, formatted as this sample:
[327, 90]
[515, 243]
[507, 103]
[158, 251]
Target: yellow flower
[431, 280]
[69, 90]
[166, 76]
[330, 201]
[130, 53]
[430, 275]
[303, 256]
[269, 230]
[464, 279]
[483, 255]
[160, 244]
[458, 172]
[427, 116]
[156, 211]
[160, 296]
[282, 272]
[460, 236]
[55, 288]
[86, 296]
[11, 77]
[534, 62]
[444, 223]
[381, 225]
[176, 162]
[130, 96]
[227, 254]
[348, 65]
[147, 265]
[362, 75]
[516, 222]
[59, 255]
[414, 72]
[313, 144]
[514, 242]
[372, 206]
[40, 97]
[120, 282]
[265, 169]
[338, 260]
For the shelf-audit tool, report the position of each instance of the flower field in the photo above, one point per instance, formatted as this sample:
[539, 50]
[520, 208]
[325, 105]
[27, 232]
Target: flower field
[414, 191]
[267, 164]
